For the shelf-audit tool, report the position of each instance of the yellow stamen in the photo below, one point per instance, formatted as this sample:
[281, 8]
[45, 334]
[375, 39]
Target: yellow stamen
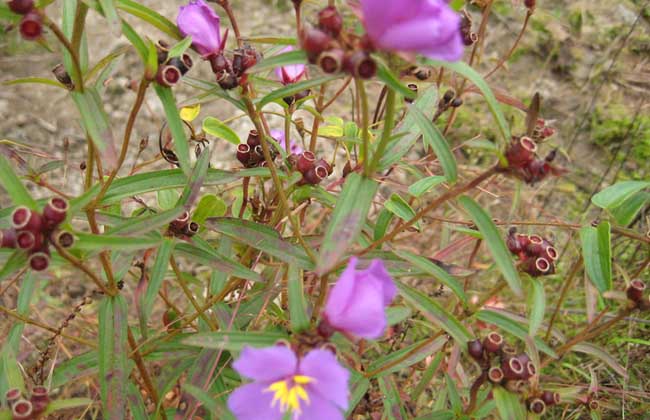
[290, 396]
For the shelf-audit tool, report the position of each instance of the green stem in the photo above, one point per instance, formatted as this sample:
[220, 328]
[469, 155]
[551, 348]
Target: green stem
[389, 124]
[365, 122]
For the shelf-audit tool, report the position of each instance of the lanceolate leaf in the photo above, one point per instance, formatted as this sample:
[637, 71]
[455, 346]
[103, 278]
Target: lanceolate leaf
[400, 208]
[433, 311]
[434, 138]
[294, 88]
[284, 59]
[537, 305]
[10, 182]
[597, 255]
[234, 341]
[417, 352]
[433, 269]
[613, 196]
[297, 304]
[599, 352]
[495, 243]
[214, 259]
[176, 127]
[112, 356]
[385, 75]
[216, 128]
[149, 16]
[508, 404]
[157, 276]
[347, 219]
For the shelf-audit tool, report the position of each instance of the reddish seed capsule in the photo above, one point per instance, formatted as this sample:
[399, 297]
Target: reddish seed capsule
[219, 63]
[306, 161]
[8, 238]
[27, 240]
[26, 219]
[314, 42]
[493, 342]
[635, 290]
[550, 398]
[521, 152]
[475, 349]
[529, 366]
[64, 239]
[31, 26]
[183, 64]
[13, 395]
[40, 399]
[21, 7]
[316, 175]
[537, 406]
[495, 375]
[168, 76]
[331, 61]
[243, 153]
[593, 405]
[191, 229]
[180, 222]
[22, 410]
[512, 368]
[55, 212]
[536, 245]
[39, 261]
[330, 21]
[360, 64]
[327, 166]
[530, 4]
[551, 253]
[253, 139]
[543, 266]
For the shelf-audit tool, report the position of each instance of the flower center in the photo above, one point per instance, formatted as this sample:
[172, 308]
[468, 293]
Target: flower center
[290, 392]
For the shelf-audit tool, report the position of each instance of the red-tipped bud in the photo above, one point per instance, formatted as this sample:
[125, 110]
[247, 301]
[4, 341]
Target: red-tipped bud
[178, 224]
[22, 410]
[21, 7]
[550, 398]
[13, 395]
[316, 175]
[495, 375]
[191, 229]
[306, 161]
[493, 342]
[314, 42]
[635, 290]
[330, 21]
[537, 406]
[64, 239]
[521, 152]
[548, 132]
[512, 368]
[360, 64]
[219, 63]
[331, 61]
[253, 139]
[168, 76]
[31, 26]
[475, 349]
[243, 153]
[26, 219]
[39, 261]
[8, 238]
[55, 212]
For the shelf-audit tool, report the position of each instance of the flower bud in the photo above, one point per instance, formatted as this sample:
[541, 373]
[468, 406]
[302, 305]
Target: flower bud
[191, 229]
[31, 26]
[253, 139]
[360, 64]
[530, 4]
[512, 368]
[314, 42]
[7, 238]
[13, 395]
[521, 152]
[64, 239]
[306, 161]
[512, 242]
[22, 410]
[493, 342]
[331, 61]
[39, 261]
[168, 76]
[177, 225]
[21, 7]
[537, 406]
[475, 349]
[635, 290]
[495, 375]
[219, 63]
[243, 153]
[550, 398]
[26, 219]
[330, 21]
[55, 212]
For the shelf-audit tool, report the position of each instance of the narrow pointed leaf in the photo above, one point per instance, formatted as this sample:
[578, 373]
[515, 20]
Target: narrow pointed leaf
[233, 341]
[112, 356]
[508, 404]
[613, 196]
[512, 327]
[434, 138]
[294, 88]
[597, 255]
[436, 271]
[14, 187]
[216, 128]
[297, 304]
[280, 60]
[176, 127]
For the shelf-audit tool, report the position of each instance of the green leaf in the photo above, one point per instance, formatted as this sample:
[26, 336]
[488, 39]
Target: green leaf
[433, 269]
[214, 406]
[454, 396]
[495, 243]
[145, 224]
[400, 208]
[196, 180]
[149, 16]
[14, 186]
[90, 242]
[167, 199]
[434, 138]
[294, 88]
[212, 258]
[234, 340]
[110, 12]
[33, 80]
[613, 196]
[280, 60]
[393, 409]
[261, 237]
[157, 277]
[216, 128]
[630, 208]
[135, 40]
[15, 262]
[297, 305]
[381, 225]
[390, 79]
[96, 123]
[416, 353]
[473, 76]
[597, 255]
[175, 124]
[112, 356]
[65, 404]
[425, 185]
[347, 219]
[436, 314]
[508, 404]
[537, 305]
[178, 49]
[600, 353]
[209, 206]
[512, 327]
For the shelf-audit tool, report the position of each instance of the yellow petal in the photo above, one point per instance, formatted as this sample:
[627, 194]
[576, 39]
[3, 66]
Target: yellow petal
[189, 113]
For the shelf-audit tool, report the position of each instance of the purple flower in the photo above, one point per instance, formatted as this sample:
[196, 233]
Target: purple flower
[290, 73]
[427, 27]
[314, 387]
[279, 136]
[199, 21]
[357, 302]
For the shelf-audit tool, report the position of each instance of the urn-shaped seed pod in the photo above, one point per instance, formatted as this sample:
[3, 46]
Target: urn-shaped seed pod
[593, 405]
[475, 349]
[219, 63]
[360, 64]
[12, 395]
[314, 42]
[253, 139]
[550, 398]
[536, 245]
[512, 368]
[516, 386]
[64, 239]
[306, 161]
[39, 261]
[551, 253]
[493, 342]
[191, 229]
[8, 238]
[326, 165]
[537, 406]
[332, 61]
[168, 76]
[635, 290]
[23, 218]
[22, 410]
[316, 175]
[31, 26]
[330, 21]
[521, 152]
[21, 7]
[40, 399]
[55, 212]
[28, 240]
[495, 375]
[243, 153]
[180, 222]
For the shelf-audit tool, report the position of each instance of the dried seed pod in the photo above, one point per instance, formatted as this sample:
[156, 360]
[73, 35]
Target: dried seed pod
[495, 375]
[40, 399]
[550, 398]
[62, 76]
[178, 224]
[515, 385]
[475, 349]
[521, 152]
[306, 161]
[21, 7]
[326, 165]
[551, 253]
[29, 240]
[64, 239]
[22, 410]
[316, 175]
[331, 61]
[31, 26]
[13, 395]
[191, 229]
[315, 42]
[493, 342]
[512, 368]
[635, 290]
[593, 405]
[537, 406]
[23, 218]
[39, 261]
[253, 139]
[55, 212]
[220, 63]
[243, 154]
[330, 21]
[360, 64]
